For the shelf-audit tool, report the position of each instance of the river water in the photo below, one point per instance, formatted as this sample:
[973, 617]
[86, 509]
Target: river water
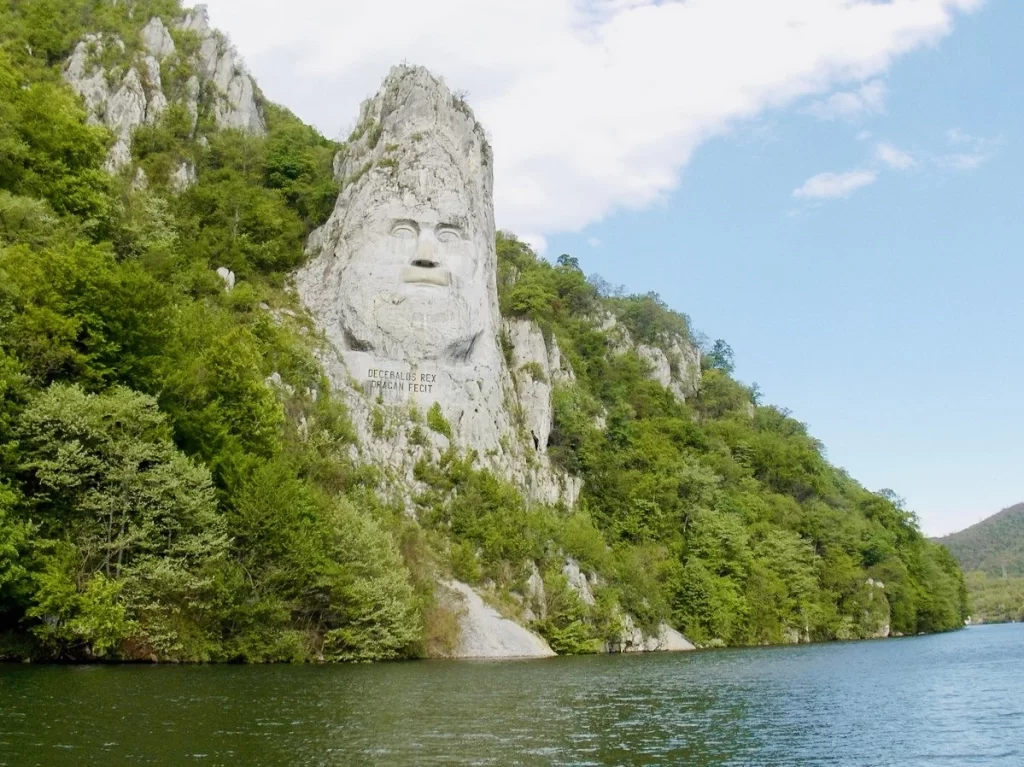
[952, 699]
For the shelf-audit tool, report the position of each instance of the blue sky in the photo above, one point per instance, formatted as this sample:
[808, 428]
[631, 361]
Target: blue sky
[889, 321]
[829, 185]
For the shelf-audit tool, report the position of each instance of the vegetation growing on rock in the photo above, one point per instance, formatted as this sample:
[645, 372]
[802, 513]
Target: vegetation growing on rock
[177, 481]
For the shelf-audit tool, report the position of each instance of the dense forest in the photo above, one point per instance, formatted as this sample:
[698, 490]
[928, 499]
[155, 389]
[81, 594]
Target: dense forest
[994, 546]
[177, 482]
[995, 599]
[992, 554]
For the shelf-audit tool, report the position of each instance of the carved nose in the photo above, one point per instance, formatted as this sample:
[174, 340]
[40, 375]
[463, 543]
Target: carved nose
[426, 255]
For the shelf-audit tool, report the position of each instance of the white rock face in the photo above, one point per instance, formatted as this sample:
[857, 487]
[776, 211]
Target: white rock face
[633, 639]
[537, 601]
[668, 640]
[674, 363]
[125, 111]
[88, 80]
[192, 90]
[236, 105]
[880, 610]
[122, 109]
[156, 39]
[227, 276]
[402, 280]
[686, 376]
[484, 633]
[139, 97]
[578, 581]
[661, 371]
[183, 177]
[533, 377]
[156, 103]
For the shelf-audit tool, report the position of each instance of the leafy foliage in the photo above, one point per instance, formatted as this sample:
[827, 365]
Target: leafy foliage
[742, 531]
[158, 498]
[995, 600]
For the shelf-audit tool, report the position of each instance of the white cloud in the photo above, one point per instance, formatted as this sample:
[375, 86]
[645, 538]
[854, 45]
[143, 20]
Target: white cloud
[957, 136]
[971, 152]
[538, 242]
[830, 186]
[962, 161]
[592, 105]
[864, 135]
[594, 242]
[867, 100]
[893, 157]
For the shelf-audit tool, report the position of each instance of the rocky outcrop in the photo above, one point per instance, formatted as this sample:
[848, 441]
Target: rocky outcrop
[484, 633]
[537, 368]
[183, 177]
[121, 108]
[126, 103]
[674, 362]
[578, 582]
[132, 94]
[678, 370]
[402, 280]
[227, 276]
[536, 596]
[633, 639]
[157, 39]
[684, 365]
[235, 103]
[661, 371]
[877, 614]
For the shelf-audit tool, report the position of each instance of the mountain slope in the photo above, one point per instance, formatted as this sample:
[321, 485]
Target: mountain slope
[994, 546]
[179, 481]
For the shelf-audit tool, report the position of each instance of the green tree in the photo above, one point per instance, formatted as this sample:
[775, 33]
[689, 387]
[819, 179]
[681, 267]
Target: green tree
[133, 522]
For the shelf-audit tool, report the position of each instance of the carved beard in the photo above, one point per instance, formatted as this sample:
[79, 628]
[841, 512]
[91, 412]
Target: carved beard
[413, 323]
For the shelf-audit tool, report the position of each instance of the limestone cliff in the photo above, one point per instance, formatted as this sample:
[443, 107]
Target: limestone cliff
[402, 280]
[122, 86]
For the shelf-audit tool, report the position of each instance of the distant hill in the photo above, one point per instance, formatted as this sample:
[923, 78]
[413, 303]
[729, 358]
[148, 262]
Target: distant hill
[994, 546]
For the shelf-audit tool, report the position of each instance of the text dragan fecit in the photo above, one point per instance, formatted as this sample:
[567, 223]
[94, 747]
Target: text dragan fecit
[400, 380]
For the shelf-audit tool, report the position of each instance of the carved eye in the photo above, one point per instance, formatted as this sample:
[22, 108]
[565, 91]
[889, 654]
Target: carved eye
[448, 235]
[404, 230]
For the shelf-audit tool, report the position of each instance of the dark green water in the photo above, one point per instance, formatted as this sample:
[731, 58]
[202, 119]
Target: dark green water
[955, 699]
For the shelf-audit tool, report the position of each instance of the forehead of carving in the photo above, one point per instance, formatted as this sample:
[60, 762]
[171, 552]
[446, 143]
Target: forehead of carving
[420, 148]
[421, 214]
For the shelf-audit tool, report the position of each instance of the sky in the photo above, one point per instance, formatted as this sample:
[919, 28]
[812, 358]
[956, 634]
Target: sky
[832, 186]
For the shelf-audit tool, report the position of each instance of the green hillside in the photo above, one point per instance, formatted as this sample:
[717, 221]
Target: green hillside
[994, 546]
[992, 554]
[165, 495]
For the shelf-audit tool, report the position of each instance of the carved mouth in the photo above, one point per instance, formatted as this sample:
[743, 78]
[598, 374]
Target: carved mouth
[424, 272]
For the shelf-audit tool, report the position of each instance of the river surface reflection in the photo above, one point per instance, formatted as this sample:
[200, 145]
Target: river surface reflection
[955, 699]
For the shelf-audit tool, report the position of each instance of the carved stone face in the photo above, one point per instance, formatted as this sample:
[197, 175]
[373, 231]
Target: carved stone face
[417, 283]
